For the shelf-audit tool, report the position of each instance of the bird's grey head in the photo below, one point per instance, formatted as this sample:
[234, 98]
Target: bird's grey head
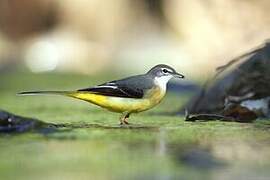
[162, 74]
[162, 70]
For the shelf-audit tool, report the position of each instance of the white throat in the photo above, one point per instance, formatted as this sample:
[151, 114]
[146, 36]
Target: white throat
[162, 81]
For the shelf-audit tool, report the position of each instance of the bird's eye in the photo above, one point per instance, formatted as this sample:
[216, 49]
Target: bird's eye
[165, 71]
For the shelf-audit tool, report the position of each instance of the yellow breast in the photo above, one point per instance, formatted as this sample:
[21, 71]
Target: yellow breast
[120, 104]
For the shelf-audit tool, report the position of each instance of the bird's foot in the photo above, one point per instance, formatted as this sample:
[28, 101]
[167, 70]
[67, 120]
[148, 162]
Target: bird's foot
[124, 122]
[124, 119]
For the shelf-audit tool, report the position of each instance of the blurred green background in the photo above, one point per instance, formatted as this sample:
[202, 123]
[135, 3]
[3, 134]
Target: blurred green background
[65, 44]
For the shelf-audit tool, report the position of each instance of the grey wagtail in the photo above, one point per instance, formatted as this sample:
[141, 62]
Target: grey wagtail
[129, 95]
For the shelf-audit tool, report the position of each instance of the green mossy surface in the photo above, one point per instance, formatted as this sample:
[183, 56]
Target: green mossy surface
[91, 144]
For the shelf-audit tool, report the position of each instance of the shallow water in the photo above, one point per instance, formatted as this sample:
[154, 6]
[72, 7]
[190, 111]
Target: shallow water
[136, 153]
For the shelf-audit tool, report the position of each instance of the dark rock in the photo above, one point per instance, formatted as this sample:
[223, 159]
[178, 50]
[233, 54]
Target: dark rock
[11, 123]
[246, 77]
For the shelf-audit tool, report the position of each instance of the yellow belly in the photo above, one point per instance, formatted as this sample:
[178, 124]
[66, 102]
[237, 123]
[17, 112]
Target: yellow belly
[120, 104]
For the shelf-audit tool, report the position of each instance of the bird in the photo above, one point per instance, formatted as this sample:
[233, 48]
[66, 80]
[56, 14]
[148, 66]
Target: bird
[129, 95]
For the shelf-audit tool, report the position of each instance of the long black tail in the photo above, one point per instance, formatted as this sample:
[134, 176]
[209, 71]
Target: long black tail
[44, 93]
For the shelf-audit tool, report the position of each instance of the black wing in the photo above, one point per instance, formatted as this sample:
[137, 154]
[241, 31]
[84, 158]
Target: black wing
[132, 87]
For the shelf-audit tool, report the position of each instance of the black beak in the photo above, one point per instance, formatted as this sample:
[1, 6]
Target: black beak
[177, 75]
